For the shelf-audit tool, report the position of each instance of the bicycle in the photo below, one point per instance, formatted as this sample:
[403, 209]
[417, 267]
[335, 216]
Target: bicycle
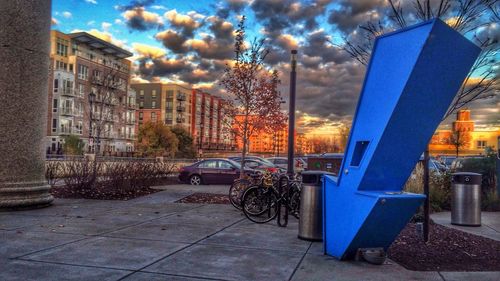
[239, 186]
[262, 203]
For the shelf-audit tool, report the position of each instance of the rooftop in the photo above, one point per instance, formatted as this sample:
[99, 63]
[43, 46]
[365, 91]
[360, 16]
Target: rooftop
[96, 43]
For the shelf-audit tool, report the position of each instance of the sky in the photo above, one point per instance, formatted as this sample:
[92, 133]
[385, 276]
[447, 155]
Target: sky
[190, 43]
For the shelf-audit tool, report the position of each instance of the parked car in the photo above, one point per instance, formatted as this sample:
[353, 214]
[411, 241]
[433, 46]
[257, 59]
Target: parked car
[238, 159]
[261, 166]
[282, 162]
[212, 171]
[447, 160]
[435, 166]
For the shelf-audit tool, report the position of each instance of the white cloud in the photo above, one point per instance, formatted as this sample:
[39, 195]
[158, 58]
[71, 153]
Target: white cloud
[106, 26]
[91, 2]
[118, 21]
[90, 23]
[158, 7]
[67, 14]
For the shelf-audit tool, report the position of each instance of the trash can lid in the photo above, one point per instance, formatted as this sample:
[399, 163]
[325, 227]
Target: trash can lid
[314, 177]
[466, 178]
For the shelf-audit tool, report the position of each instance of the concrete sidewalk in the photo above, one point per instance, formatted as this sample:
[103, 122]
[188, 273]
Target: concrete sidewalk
[490, 224]
[151, 238]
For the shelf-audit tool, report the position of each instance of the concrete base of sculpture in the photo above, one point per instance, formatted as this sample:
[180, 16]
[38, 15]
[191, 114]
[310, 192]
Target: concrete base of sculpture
[25, 195]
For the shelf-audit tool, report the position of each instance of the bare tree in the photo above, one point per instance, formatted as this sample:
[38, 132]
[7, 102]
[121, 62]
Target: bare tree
[105, 88]
[254, 99]
[465, 16]
[459, 139]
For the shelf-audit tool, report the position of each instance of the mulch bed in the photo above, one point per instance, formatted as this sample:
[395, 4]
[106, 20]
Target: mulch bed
[100, 193]
[205, 198]
[447, 250]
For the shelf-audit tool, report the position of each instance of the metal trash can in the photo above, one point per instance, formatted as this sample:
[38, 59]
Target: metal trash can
[311, 208]
[466, 199]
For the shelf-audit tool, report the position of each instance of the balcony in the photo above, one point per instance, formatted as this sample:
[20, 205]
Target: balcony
[181, 119]
[130, 121]
[181, 97]
[65, 130]
[68, 92]
[181, 108]
[67, 111]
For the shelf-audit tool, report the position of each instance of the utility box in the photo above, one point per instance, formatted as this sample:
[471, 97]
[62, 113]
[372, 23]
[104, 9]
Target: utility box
[466, 199]
[329, 162]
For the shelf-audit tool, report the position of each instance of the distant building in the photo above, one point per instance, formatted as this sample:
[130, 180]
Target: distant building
[268, 142]
[197, 111]
[77, 61]
[470, 141]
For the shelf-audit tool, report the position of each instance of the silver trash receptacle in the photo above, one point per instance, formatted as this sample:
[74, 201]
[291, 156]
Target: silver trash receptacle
[466, 199]
[311, 206]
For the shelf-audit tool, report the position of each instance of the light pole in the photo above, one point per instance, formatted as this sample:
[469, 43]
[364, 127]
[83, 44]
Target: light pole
[91, 101]
[291, 113]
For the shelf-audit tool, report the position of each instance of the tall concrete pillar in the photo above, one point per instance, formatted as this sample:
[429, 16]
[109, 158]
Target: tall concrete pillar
[24, 66]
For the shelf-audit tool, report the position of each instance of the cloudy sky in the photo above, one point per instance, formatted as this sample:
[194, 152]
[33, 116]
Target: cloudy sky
[190, 42]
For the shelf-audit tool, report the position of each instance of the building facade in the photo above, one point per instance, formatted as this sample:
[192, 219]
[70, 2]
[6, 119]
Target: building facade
[89, 94]
[175, 105]
[464, 138]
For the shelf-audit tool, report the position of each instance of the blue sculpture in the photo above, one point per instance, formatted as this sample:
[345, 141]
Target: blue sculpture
[411, 80]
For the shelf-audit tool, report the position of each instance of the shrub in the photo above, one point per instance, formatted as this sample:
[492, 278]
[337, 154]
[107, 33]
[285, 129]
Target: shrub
[484, 166]
[119, 177]
[490, 202]
[439, 188]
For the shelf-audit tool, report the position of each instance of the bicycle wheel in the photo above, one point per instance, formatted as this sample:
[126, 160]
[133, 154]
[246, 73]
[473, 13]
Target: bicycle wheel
[236, 192]
[259, 204]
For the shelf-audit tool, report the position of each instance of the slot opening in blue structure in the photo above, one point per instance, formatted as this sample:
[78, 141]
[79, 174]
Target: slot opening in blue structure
[359, 151]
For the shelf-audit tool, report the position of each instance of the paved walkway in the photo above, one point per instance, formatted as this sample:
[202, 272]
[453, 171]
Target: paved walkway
[490, 224]
[152, 238]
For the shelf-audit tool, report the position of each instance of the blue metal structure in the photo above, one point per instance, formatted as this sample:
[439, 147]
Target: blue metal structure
[412, 78]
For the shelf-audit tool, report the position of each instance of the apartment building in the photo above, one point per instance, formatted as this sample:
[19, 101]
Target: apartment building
[197, 111]
[209, 127]
[89, 94]
[167, 103]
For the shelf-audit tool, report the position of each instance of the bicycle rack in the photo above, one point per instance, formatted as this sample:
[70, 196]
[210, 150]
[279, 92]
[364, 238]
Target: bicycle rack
[280, 191]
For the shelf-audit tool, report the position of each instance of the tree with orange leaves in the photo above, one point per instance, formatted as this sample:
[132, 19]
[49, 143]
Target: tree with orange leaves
[253, 102]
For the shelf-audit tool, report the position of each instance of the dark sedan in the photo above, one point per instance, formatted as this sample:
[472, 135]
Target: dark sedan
[211, 171]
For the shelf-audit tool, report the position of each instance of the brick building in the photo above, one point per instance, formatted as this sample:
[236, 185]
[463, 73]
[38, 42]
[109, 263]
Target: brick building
[197, 111]
[79, 62]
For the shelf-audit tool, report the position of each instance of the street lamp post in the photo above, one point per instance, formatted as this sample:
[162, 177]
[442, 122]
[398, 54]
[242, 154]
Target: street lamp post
[91, 101]
[291, 113]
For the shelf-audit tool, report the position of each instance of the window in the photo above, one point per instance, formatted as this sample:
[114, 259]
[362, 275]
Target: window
[225, 165]
[153, 104]
[79, 127]
[141, 115]
[54, 125]
[359, 151]
[81, 89]
[153, 93]
[141, 92]
[83, 72]
[153, 117]
[62, 47]
[481, 144]
[56, 85]
[141, 104]
[54, 105]
[169, 105]
[71, 67]
[61, 65]
[170, 94]
[211, 164]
